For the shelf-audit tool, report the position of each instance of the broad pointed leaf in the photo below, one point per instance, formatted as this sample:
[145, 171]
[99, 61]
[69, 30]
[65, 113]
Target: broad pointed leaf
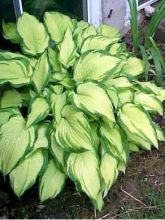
[149, 102]
[73, 132]
[109, 31]
[58, 101]
[39, 111]
[57, 25]
[67, 50]
[116, 144]
[109, 171]
[138, 123]
[93, 99]
[58, 153]
[97, 43]
[96, 66]
[15, 72]
[41, 73]
[14, 142]
[52, 182]
[83, 169]
[42, 140]
[11, 98]
[34, 36]
[6, 113]
[29, 169]
[133, 67]
[10, 32]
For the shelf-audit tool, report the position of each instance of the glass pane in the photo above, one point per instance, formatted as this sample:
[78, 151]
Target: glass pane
[38, 7]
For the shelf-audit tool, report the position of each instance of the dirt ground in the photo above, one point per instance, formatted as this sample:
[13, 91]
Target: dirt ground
[140, 193]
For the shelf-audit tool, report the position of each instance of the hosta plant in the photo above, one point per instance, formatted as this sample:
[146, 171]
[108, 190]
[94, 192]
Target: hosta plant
[71, 106]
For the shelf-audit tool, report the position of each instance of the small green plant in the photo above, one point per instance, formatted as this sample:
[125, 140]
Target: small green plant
[149, 51]
[71, 106]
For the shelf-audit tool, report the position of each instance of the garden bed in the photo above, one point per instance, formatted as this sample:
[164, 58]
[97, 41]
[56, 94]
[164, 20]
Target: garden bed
[140, 193]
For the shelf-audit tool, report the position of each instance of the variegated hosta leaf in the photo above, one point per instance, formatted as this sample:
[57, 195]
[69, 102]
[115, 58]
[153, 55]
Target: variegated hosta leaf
[58, 101]
[125, 95]
[95, 135]
[149, 102]
[121, 167]
[151, 88]
[14, 142]
[138, 123]
[116, 144]
[39, 111]
[58, 153]
[57, 24]
[73, 132]
[6, 113]
[81, 25]
[29, 169]
[30, 62]
[133, 67]
[83, 169]
[53, 55]
[41, 73]
[96, 43]
[33, 34]
[15, 72]
[93, 99]
[42, 140]
[10, 32]
[96, 66]
[159, 133]
[113, 95]
[119, 83]
[57, 89]
[133, 147]
[83, 34]
[67, 50]
[135, 138]
[109, 31]
[11, 98]
[117, 48]
[52, 182]
[109, 171]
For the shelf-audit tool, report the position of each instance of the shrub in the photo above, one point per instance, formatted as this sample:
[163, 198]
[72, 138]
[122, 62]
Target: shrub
[72, 106]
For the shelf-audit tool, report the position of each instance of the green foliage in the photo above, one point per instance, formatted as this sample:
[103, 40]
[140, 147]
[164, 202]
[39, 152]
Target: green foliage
[158, 15]
[134, 24]
[149, 48]
[71, 106]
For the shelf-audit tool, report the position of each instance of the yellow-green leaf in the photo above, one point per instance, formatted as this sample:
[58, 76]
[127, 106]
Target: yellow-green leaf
[10, 32]
[29, 169]
[33, 34]
[41, 73]
[39, 111]
[57, 24]
[67, 50]
[96, 66]
[83, 169]
[52, 182]
[73, 132]
[14, 142]
[93, 99]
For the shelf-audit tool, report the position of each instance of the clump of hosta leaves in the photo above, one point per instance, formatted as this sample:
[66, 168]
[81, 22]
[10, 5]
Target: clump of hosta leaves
[71, 106]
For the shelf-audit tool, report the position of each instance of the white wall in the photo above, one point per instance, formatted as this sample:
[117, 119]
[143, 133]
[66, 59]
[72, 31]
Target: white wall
[118, 15]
